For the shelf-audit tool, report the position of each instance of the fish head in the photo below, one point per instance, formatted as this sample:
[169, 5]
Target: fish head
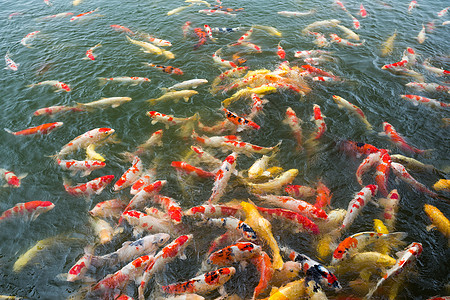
[107, 179]
[14, 181]
[65, 87]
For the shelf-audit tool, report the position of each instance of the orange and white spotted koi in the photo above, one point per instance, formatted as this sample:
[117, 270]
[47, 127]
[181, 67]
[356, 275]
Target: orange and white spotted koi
[82, 265]
[155, 41]
[234, 253]
[318, 119]
[358, 241]
[130, 176]
[163, 257]
[246, 36]
[208, 31]
[390, 204]
[314, 70]
[121, 28]
[356, 23]
[41, 129]
[257, 105]
[222, 62]
[325, 79]
[443, 12]
[302, 223]
[371, 160]
[357, 204]
[341, 5]
[321, 40]
[438, 71]
[10, 64]
[309, 53]
[142, 222]
[82, 141]
[206, 157]
[300, 191]
[280, 51]
[334, 37]
[95, 186]
[29, 37]
[398, 140]
[212, 12]
[108, 209]
[60, 86]
[213, 141]
[203, 283]
[342, 103]
[382, 172]
[229, 73]
[233, 224]
[85, 167]
[428, 87]
[411, 5]
[80, 16]
[294, 123]
[12, 179]
[213, 211]
[297, 205]
[51, 110]
[171, 206]
[406, 257]
[402, 63]
[146, 178]
[247, 148]
[222, 177]
[27, 211]
[191, 170]
[416, 100]
[170, 119]
[362, 11]
[400, 171]
[240, 121]
[248, 45]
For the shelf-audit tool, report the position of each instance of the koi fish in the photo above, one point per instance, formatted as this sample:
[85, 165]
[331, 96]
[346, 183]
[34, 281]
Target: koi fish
[82, 15]
[203, 283]
[342, 103]
[416, 100]
[193, 83]
[235, 225]
[280, 51]
[428, 87]
[222, 177]
[130, 176]
[212, 12]
[357, 204]
[177, 10]
[106, 102]
[323, 197]
[309, 53]
[27, 211]
[90, 52]
[356, 23]
[174, 95]
[321, 40]
[146, 47]
[358, 147]
[154, 140]
[163, 257]
[264, 266]
[120, 28]
[91, 154]
[155, 41]
[240, 121]
[198, 2]
[29, 37]
[300, 191]
[108, 209]
[360, 240]
[318, 119]
[350, 34]
[186, 27]
[234, 253]
[398, 140]
[382, 172]
[324, 23]
[10, 64]
[123, 79]
[247, 148]
[290, 291]
[301, 222]
[314, 270]
[261, 90]
[82, 265]
[85, 167]
[258, 167]
[166, 69]
[170, 119]
[60, 86]
[189, 169]
[274, 184]
[334, 37]
[443, 12]
[296, 13]
[411, 5]
[41, 129]
[269, 29]
[171, 206]
[225, 29]
[213, 141]
[442, 184]
[400, 171]
[388, 46]
[222, 62]
[297, 205]
[362, 11]
[86, 139]
[437, 219]
[439, 72]
[94, 186]
[213, 211]
[206, 157]
[371, 160]
[103, 230]
[201, 34]
[406, 257]
[421, 36]
[142, 222]
[12, 179]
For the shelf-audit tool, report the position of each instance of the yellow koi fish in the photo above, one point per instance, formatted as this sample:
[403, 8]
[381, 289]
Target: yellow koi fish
[438, 219]
[175, 95]
[388, 46]
[92, 155]
[274, 184]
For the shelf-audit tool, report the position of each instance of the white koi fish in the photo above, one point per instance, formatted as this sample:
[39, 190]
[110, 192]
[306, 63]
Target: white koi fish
[174, 95]
[83, 15]
[85, 167]
[324, 23]
[275, 184]
[421, 36]
[193, 83]
[350, 34]
[334, 37]
[212, 12]
[106, 102]
[60, 86]
[428, 87]
[443, 12]
[84, 140]
[177, 10]
[297, 13]
[170, 119]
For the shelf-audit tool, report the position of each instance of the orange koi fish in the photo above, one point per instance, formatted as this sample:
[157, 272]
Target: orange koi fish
[398, 140]
[146, 178]
[300, 221]
[166, 69]
[280, 52]
[317, 71]
[41, 129]
[95, 186]
[130, 176]
[400, 171]
[51, 110]
[294, 123]
[108, 208]
[27, 211]
[415, 99]
[189, 169]
[382, 172]
[12, 179]
[234, 253]
[201, 37]
[120, 28]
[240, 121]
[265, 269]
[358, 148]
[438, 219]
[323, 198]
[85, 167]
[204, 283]
[357, 203]
[163, 257]
[300, 191]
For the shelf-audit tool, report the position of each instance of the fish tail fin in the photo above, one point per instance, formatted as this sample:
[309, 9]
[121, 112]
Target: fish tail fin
[151, 101]
[102, 80]
[396, 238]
[9, 131]
[428, 153]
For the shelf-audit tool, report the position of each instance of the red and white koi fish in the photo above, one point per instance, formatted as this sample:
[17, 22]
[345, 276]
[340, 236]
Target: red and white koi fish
[382, 172]
[208, 31]
[82, 265]
[402, 63]
[324, 79]
[154, 140]
[95, 186]
[398, 140]
[60, 86]
[108, 209]
[323, 198]
[155, 41]
[222, 177]
[300, 191]
[234, 225]
[314, 70]
[334, 37]
[80, 16]
[342, 103]
[228, 73]
[411, 5]
[358, 241]
[280, 51]
[189, 169]
[318, 119]
[416, 100]
[186, 27]
[120, 28]
[60, 15]
[356, 23]
[240, 121]
[443, 12]
[248, 45]
[265, 269]
[166, 69]
[357, 204]
[171, 206]
[29, 37]
[294, 123]
[362, 11]
[206, 157]
[317, 60]
[204, 283]
[90, 52]
[234, 253]
[390, 204]
[341, 5]
[41, 129]
[10, 64]
[309, 53]
[212, 211]
[371, 160]
[428, 87]
[247, 148]
[400, 171]
[406, 257]
[410, 55]
[170, 119]
[12, 179]
[438, 71]
[85, 167]
[213, 141]
[321, 40]
[82, 141]
[146, 178]
[211, 12]
[301, 222]
[166, 255]
[112, 284]
[314, 270]
[130, 176]
[421, 36]
[148, 245]
[297, 205]
[27, 211]
[357, 148]
[143, 222]
[51, 110]
[222, 62]
[257, 105]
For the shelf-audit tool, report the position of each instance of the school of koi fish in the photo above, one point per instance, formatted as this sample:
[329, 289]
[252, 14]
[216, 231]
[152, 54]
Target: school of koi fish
[206, 207]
